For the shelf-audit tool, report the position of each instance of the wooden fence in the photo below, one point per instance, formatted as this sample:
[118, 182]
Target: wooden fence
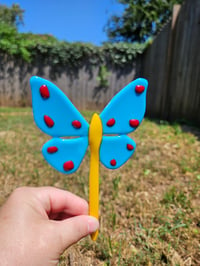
[171, 64]
[80, 85]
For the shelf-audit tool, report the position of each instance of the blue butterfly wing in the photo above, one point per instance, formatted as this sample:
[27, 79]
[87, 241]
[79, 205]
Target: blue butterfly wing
[116, 150]
[53, 112]
[65, 155]
[125, 111]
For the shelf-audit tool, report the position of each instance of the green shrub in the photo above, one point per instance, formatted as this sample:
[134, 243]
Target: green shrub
[29, 46]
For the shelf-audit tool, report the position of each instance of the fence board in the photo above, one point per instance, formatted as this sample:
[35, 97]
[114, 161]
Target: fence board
[172, 65]
[81, 86]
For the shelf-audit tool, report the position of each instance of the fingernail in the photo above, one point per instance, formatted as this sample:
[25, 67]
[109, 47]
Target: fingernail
[93, 224]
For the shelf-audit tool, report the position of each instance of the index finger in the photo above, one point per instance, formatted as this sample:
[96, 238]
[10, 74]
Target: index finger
[56, 200]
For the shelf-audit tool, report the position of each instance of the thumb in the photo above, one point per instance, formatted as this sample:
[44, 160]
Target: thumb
[73, 229]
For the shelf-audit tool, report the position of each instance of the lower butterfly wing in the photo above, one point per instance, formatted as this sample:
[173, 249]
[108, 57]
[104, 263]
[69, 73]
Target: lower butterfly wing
[116, 150]
[53, 112]
[65, 155]
[125, 111]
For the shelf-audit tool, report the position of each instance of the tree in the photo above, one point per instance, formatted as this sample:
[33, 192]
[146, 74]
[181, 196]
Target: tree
[12, 16]
[141, 19]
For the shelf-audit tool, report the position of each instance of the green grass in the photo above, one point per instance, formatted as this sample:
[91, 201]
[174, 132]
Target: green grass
[149, 207]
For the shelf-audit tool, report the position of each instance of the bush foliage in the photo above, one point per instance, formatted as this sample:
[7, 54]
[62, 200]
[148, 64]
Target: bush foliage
[29, 46]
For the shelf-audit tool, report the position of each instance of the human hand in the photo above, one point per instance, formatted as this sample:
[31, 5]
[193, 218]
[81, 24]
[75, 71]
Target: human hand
[38, 224]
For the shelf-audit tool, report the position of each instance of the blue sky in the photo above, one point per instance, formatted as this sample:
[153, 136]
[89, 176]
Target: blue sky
[69, 20]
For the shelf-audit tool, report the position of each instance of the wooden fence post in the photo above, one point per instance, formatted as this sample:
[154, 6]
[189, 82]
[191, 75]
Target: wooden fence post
[165, 111]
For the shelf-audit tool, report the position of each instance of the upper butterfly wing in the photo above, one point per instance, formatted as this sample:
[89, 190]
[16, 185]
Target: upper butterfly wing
[53, 112]
[116, 150]
[65, 155]
[125, 111]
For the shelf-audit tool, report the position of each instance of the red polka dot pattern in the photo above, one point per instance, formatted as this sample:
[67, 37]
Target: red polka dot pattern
[44, 92]
[113, 162]
[139, 88]
[110, 122]
[134, 122]
[76, 124]
[52, 149]
[130, 147]
[48, 121]
[67, 166]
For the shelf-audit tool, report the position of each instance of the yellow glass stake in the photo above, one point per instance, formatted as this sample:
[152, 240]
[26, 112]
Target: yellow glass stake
[95, 136]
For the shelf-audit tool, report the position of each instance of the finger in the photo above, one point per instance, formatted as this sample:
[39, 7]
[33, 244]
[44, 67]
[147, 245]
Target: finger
[56, 200]
[72, 230]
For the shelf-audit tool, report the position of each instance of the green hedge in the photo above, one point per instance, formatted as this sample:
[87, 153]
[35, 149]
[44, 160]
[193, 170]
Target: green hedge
[29, 46]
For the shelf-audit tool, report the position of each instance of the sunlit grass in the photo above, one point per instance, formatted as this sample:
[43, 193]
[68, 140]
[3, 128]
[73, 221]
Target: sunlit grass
[149, 208]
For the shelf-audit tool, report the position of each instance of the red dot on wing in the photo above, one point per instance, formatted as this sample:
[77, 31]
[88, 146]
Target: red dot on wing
[67, 166]
[129, 147]
[52, 149]
[139, 88]
[110, 122]
[134, 122]
[44, 92]
[76, 124]
[48, 121]
[113, 162]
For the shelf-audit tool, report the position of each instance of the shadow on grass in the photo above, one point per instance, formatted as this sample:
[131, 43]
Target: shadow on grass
[179, 125]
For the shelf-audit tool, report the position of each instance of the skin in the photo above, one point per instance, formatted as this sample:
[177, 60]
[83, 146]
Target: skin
[38, 224]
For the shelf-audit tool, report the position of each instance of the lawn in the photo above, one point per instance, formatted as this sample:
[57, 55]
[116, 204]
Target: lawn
[150, 207]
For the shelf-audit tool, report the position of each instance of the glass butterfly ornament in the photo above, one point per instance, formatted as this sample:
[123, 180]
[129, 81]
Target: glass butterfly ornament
[106, 135]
